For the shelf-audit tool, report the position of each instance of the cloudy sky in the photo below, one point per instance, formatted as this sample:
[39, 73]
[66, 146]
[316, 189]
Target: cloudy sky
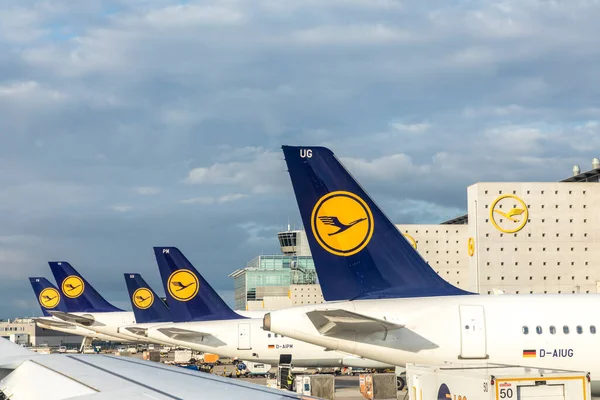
[131, 124]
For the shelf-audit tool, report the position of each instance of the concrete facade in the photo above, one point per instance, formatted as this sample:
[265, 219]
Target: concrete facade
[38, 336]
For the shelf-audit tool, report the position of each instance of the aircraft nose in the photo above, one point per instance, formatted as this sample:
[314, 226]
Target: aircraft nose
[267, 322]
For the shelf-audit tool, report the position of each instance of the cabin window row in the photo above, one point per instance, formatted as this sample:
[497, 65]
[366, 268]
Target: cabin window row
[529, 206]
[543, 234]
[539, 330]
[529, 192]
[516, 263]
[531, 291]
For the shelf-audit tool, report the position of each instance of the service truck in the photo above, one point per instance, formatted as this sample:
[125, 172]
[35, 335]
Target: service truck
[456, 381]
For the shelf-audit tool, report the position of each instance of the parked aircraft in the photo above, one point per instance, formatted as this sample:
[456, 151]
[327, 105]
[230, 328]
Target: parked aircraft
[148, 308]
[385, 302]
[202, 321]
[50, 300]
[87, 308]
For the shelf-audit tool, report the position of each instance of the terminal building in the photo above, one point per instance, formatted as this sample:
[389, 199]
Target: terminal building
[520, 237]
[30, 334]
[516, 237]
[272, 282]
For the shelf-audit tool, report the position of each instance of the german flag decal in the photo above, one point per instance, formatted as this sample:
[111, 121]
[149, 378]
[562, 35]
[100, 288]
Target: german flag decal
[271, 346]
[529, 353]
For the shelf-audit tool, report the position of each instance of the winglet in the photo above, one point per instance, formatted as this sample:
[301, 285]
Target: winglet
[147, 305]
[48, 296]
[358, 252]
[189, 295]
[77, 293]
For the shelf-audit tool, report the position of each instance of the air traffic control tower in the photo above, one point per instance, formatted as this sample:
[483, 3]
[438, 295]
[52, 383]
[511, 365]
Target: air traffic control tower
[272, 282]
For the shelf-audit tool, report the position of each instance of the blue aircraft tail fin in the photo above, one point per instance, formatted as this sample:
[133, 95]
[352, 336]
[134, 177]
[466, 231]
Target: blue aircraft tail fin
[147, 305]
[47, 295]
[358, 252]
[77, 293]
[189, 295]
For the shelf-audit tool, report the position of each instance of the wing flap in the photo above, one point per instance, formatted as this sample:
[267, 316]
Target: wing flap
[73, 318]
[59, 376]
[336, 322]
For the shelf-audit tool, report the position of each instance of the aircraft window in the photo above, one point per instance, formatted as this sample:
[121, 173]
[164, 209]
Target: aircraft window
[579, 329]
[566, 330]
[269, 335]
[275, 335]
[592, 329]
[538, 329]
[525, 330]
[553, 329]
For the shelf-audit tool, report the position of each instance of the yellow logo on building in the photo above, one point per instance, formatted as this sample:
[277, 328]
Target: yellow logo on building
[411, 240]
[183, 285]
[342, 223]
[49, 298]
[143, 298]
[514, 218]
[471, 246]
[72, 286]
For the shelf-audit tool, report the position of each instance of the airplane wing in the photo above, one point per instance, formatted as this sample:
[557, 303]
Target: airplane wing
[76, 319]
[338, 322]
[27, 375]
[187, 335]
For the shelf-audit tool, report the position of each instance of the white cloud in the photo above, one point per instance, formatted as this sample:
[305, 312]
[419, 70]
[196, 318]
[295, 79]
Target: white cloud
[412, 128]
[199, 200]
[122, 208]
[147, 190]
[29, 90]
[260, 174]
[385, 168]
[212, 200]
[232, 197]
[350, 35]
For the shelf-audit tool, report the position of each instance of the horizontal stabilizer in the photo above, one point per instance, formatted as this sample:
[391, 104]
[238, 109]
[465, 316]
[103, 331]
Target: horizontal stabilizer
[186, 335]
[54, 323]
[335, 322]
[76, 319]
[137, 330]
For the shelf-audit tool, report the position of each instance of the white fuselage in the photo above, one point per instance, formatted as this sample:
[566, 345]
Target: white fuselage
[246, 340]
[474, 328]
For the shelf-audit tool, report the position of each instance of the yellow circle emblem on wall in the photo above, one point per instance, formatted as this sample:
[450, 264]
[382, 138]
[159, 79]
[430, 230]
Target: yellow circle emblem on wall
[514, 218]
[183, 285]
[411, 240]
[72, 286]
[49, 298]
[143, 298]
[471, 246]
[342, 223]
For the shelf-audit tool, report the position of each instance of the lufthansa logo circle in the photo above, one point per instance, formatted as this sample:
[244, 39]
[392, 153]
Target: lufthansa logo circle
[471, 246]
[411, 240]
[49, 298]
[183, 285]
[342, 223]
[73, 286]
[143, 298]
[514, 219]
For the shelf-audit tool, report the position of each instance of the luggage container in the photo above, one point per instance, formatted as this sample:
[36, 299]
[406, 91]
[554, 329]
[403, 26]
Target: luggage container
[495, 382]
[378, 386]
[321, 386]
